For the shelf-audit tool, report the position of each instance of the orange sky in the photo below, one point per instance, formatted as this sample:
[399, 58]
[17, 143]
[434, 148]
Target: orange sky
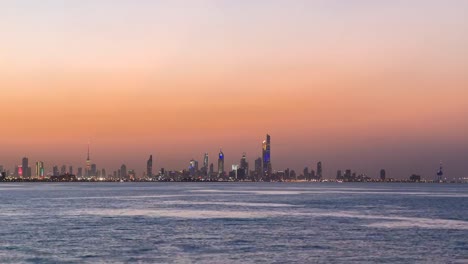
[367, 86]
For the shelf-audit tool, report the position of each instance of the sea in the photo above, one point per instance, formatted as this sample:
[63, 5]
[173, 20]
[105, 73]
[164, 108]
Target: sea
[233, 223]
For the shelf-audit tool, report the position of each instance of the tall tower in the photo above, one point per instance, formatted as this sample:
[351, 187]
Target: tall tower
[266, 155]
[39, 169]
[205, 164]
[319, 170]
[440, 174]
[244, 165]
[88, 165]
[221, 163]
[149, 167]
[25, 166]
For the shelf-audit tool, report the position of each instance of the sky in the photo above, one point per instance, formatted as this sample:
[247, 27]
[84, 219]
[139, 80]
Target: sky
[356, 84]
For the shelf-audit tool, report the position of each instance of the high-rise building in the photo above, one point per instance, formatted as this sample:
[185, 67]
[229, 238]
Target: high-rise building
[383, 175]
[25, 166]
[103, 173]
[244, 165]
[339, 175]
[211, 169]
[55, 171]
[149, 167]
[221, 164]
[266, 155]
[319, 171]
[93, 170]
[80, 172]
[258, 169]
[70, 170]
[39, 169]
[205, 164]
[88, 164]
[63, 170]
[306, 173]
[193, 167]
[123, 171]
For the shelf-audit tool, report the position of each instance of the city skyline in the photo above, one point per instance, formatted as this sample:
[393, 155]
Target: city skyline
[368, 85]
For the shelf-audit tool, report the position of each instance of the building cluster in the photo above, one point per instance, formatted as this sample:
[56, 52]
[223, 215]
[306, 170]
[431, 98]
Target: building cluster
[261, 172]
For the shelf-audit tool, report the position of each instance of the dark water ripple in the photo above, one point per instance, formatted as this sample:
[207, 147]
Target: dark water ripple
[233, 223]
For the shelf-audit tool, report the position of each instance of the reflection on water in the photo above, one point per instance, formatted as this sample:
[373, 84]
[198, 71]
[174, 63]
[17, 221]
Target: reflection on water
[233, 223]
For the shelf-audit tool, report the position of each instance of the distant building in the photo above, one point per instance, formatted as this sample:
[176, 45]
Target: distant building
[80, 172]
[244, 165]
[63, 170]
[383, 175]
[221, 171]
[306, 174]
[93, 171]
[55, 171]
[258, 169]
[149, 167]
[205, 164]
[123, 171]
[39, 169]
[319, 171]
[266, 156]
[70, 170]
[24, 168]
[415, 178]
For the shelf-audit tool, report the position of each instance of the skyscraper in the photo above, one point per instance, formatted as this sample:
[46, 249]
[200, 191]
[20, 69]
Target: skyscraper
[149, 167]
[39, 169]
[258, 169]
[123, 171]
[55, 171]
[93, 170]
[306, 174]
[88, 164]
[70, 170]
[266, 155]
[221, 164]
[382, 175]
[319, 170]
[80, 172]
[25, 166]
[63, 170]
[193, 167]
[244, 165]
[205, 164]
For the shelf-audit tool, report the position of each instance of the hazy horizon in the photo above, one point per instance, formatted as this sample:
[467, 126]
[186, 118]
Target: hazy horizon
[363, 85]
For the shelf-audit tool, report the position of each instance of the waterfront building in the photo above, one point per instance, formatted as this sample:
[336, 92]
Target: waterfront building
[149, 167]
[266, 156]
[221, 171]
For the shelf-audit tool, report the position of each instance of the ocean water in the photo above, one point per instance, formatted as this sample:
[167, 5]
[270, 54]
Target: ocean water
[233, 223]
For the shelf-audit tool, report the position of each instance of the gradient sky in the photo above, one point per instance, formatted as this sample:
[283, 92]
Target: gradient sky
[360, 84]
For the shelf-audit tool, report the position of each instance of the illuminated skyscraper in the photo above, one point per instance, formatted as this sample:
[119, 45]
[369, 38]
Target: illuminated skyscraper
[80, 172]
[221, 164]
[39, 169]
[70, 170]
[266, 155]
[193, 167]
[149, 167]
